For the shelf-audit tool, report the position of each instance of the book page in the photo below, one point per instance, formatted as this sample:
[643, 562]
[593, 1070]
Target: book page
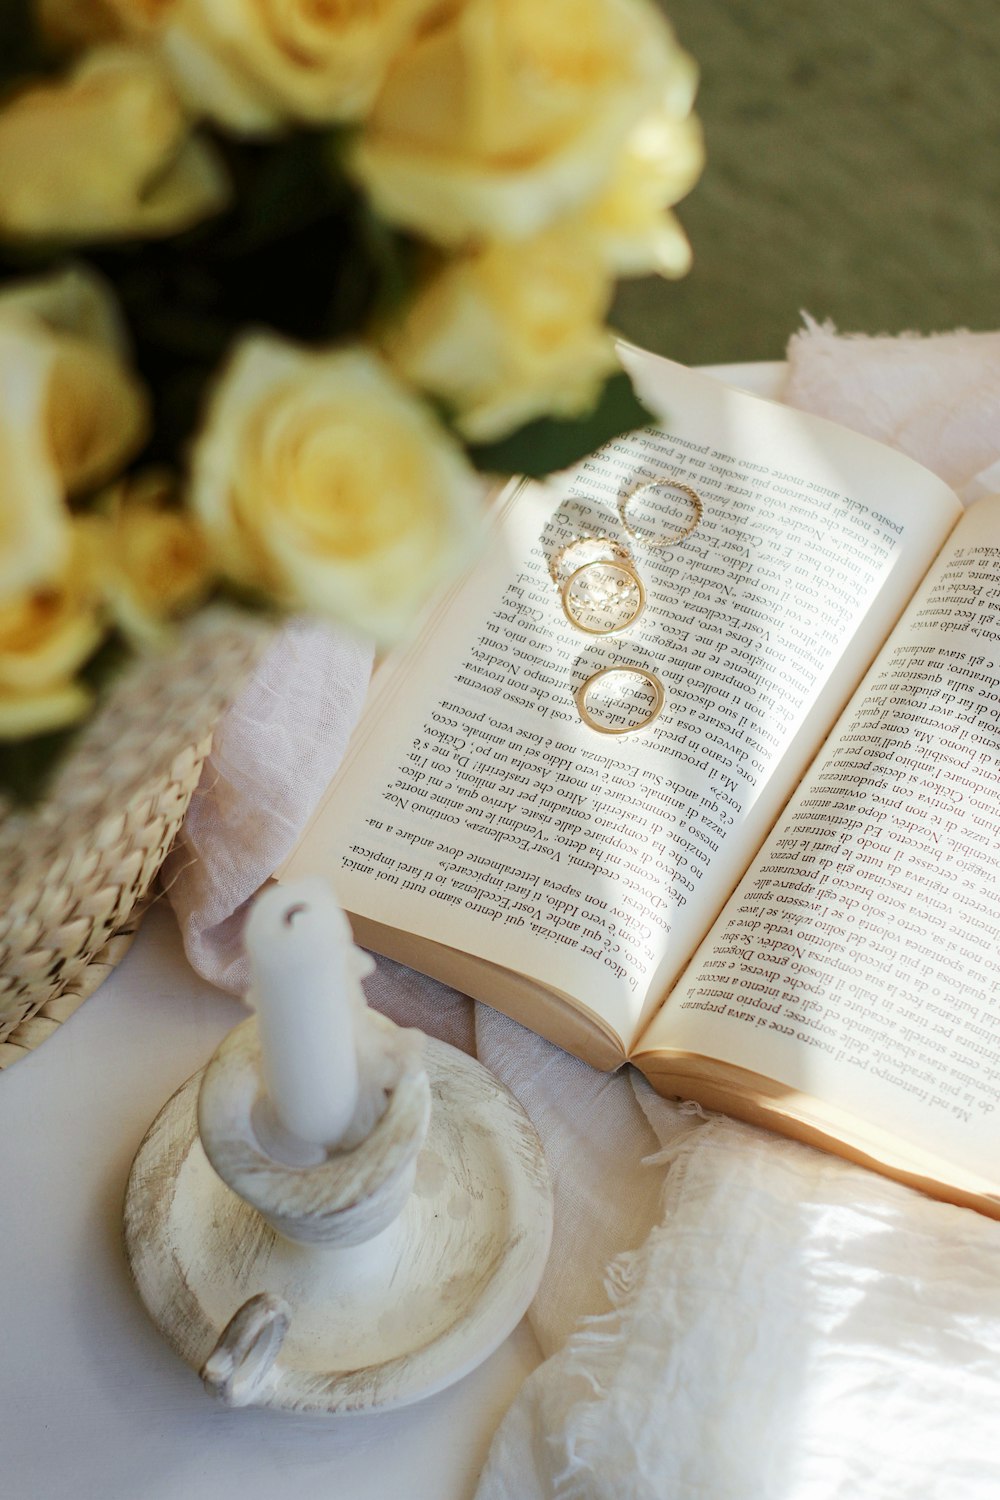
[857, 962]
[478, 810]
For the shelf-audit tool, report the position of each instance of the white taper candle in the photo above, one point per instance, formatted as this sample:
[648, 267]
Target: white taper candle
[307, 998]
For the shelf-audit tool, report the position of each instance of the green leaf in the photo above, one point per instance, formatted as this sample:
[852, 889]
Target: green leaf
[21, 50]
[553, 443]
[282, 188]
[27, 766]
[390, 253]
[252, 601]
[393, 258]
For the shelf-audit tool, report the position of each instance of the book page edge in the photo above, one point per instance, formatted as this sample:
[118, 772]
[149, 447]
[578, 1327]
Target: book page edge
[760, 1101]
[558, 1018]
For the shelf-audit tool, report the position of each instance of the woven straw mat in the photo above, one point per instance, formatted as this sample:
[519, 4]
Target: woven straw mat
[76, 871]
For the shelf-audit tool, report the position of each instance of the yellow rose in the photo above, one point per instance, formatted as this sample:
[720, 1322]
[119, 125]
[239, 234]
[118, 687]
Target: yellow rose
[510, 332]
[96, 413]
[507, 114]
[104, 153]
[70, 415]
[77, 23]
[80, 395]
[85, 23]
[321, 479]
[34, 525]
[156, 565]
[661, 162]
[46, 635]
[75, 300]
[254, 64]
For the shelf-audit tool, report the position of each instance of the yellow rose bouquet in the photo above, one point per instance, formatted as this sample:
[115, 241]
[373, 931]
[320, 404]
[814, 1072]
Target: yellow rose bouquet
[280, 280]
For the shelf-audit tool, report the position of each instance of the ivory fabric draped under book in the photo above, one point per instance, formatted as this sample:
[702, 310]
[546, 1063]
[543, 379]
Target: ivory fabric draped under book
[726, 1313]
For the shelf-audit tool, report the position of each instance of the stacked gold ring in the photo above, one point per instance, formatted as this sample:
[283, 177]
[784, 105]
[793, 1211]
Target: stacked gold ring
[619, 553]
[627, 583]
[650, 539]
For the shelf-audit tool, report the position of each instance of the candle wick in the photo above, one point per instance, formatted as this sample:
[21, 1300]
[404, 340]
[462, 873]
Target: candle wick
[293, 912]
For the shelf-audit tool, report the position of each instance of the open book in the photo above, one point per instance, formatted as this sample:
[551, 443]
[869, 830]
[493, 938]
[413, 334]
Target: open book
[782, 897]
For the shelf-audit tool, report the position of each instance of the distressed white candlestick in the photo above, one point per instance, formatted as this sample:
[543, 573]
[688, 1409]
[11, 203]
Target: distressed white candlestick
[350, 1195]
[306, 990]
[374, 1270]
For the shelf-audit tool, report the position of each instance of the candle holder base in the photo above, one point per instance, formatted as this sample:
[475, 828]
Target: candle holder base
[270, 1322]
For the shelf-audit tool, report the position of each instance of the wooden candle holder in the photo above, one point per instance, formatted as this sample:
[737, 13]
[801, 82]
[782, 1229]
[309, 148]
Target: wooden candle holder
[367, 1279]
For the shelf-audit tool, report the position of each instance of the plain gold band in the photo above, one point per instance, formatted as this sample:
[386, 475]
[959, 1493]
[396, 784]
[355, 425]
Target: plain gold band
[601, 562]
[659, 698]
[661, 484]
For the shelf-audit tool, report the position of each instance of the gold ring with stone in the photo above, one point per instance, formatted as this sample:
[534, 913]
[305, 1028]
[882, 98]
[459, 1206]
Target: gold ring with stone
[624, 587]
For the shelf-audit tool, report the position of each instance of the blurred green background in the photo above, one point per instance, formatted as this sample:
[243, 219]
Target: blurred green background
[853, 170]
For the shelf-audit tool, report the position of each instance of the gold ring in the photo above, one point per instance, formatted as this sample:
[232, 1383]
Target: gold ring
[578, 610]
[659, 698]
[617, 552]
[661, 484]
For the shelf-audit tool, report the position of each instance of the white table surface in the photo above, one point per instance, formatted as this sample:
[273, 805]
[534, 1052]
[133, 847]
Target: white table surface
[93, 1404]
